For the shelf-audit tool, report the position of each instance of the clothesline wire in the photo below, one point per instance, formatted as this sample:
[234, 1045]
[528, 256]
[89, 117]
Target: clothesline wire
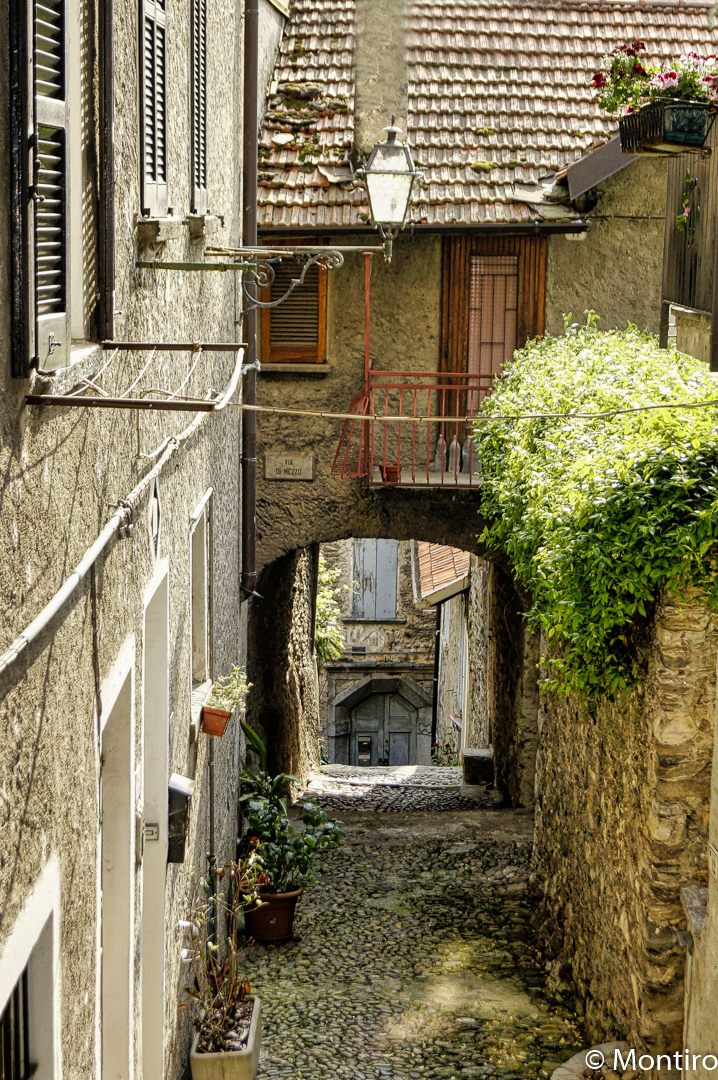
[362, 417]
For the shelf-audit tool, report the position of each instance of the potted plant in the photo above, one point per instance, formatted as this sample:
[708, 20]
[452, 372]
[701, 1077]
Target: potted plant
[287, 852]
[228, 1027]
[228, 693]
[390, 472]
[664, 110]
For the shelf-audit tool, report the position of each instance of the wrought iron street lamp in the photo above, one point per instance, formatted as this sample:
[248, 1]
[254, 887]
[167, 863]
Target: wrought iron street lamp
[389, 177]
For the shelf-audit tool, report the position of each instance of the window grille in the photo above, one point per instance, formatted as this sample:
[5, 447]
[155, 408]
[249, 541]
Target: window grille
[15, 1035]
[493, 315]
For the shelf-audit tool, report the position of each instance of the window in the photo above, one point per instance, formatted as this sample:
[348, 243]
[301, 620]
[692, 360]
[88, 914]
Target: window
[153, 119]
[39, 105]
[375, 577]
[296, 330]
[15, 1061]
[199, 106]
[493, 298]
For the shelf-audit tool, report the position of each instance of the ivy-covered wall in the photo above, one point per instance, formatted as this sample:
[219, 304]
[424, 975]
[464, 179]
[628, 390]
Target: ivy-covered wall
[621, 825]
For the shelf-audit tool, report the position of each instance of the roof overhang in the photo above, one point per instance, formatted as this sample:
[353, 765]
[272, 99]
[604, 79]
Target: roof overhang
[446, 592]
[595, 167]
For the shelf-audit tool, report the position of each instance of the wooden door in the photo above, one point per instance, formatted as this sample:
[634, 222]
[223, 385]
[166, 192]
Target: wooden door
[383, 731]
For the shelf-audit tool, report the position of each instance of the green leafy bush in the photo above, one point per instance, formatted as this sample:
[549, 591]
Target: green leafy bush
[328, 636]
[595, 517]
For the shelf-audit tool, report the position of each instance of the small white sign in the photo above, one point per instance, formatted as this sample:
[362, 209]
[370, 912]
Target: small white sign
[290, 466]
[713, 862]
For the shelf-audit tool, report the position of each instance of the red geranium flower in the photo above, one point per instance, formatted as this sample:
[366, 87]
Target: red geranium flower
[599, 79]
[638, 69]
[638, 45]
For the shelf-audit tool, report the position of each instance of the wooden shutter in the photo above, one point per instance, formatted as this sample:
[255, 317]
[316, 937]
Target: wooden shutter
[295, 331]
[375, 566]
[456, 299]
[40, 144]
[153, 107]
[199, 107]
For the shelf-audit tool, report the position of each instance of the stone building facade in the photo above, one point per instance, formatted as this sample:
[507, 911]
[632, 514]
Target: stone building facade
[388, 653]
[101, 706]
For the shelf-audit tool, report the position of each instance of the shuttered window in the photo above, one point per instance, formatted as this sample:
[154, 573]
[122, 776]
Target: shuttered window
[375, 579]
[199, 106]
[153, 118]
[295, 331]
[40, 234]
[493, 299]
[15, 1061]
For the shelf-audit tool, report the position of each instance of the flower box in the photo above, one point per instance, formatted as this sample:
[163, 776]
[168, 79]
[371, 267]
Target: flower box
[231, 1064]
[665, 126]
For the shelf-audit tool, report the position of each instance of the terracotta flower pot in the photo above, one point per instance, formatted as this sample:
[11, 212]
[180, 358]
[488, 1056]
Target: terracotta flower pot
[214, 721]
[275, 919]
[231, 1064]
[390, 473]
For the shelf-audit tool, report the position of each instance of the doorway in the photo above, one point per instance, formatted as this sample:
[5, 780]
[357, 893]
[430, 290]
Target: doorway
[384, 731]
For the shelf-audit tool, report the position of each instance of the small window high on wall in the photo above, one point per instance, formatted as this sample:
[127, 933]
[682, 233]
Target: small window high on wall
[295, 332]
[375, 579]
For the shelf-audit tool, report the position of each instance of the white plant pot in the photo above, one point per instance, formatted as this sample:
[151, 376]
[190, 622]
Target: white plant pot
[232, 1064]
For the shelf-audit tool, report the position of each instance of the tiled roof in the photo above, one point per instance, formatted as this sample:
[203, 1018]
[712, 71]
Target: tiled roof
[439, 566]
[500, 96]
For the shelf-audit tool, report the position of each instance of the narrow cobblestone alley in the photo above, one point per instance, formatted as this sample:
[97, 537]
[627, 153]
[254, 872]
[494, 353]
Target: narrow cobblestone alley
[413, 953]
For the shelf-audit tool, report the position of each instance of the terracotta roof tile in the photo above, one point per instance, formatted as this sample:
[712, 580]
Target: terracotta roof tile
[440, 566]
[521, 70]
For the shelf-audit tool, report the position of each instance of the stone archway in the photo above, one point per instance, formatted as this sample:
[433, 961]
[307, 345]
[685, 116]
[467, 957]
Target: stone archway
[381, 720]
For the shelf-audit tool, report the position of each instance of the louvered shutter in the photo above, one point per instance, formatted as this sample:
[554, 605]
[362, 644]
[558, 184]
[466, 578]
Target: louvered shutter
[153, 111]
[40, 116]
[199, 106]
[295, 330]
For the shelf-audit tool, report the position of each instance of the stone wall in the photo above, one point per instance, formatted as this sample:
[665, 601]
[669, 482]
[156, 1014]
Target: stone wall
[63, 472]
[283, 703]
[621, 826]
[478, 734]
[451, 701]
[616, 267]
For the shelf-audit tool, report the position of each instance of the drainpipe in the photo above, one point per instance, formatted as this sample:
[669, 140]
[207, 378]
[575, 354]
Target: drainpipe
[212, 854]
[435, 683]
[249, 238]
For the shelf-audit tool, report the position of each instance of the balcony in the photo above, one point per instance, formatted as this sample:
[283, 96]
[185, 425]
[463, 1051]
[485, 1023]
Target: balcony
[413, 429]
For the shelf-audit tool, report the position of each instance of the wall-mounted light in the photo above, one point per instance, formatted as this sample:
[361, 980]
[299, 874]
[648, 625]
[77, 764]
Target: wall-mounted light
[389, 176]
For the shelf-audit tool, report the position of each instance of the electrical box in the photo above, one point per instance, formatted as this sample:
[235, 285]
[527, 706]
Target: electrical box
[181, 790]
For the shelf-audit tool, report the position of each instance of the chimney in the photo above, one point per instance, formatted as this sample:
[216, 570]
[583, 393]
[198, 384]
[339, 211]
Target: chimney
[380, 72]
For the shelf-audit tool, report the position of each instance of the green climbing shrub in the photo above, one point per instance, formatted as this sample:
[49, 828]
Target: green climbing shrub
[596, 516]
[328, 636]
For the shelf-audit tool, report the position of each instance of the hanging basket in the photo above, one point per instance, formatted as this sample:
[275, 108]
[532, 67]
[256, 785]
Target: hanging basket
[665, 126]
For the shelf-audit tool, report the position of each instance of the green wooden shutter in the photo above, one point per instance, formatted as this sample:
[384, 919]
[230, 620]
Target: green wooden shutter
[153, 107]
[40, 147]
[199, 107]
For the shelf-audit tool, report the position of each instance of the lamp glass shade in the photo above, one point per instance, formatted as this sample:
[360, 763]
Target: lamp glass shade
[389, 179]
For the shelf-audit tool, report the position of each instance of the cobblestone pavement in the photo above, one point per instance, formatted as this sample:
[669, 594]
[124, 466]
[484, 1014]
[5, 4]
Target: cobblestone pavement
[342, 788]
[413, 959]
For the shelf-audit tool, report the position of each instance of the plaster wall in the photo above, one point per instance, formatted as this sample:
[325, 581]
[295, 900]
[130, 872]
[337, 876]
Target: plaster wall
[616, 268]
[63, 470]
[621, 826]
[381, 71]
[690, 332]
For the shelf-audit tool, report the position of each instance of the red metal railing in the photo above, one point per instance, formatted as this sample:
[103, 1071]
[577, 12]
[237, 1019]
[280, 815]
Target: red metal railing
[413, 428]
